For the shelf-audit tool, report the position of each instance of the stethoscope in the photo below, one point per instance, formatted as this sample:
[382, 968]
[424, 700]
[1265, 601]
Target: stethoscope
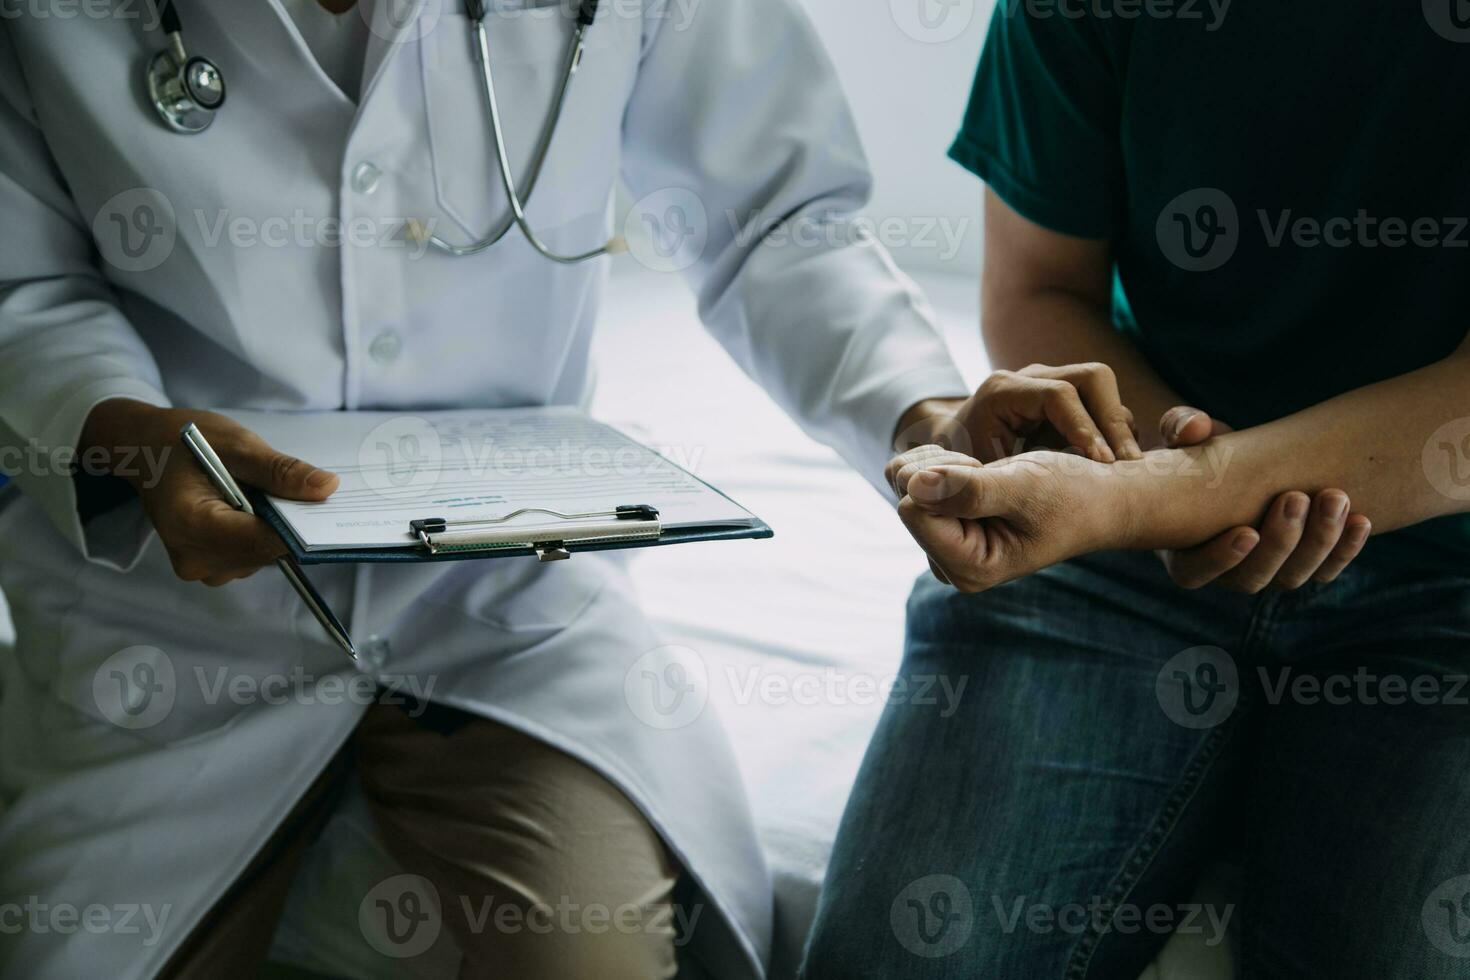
[188, 92]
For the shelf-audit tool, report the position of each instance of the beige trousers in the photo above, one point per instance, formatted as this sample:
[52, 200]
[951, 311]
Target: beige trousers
[541, 866]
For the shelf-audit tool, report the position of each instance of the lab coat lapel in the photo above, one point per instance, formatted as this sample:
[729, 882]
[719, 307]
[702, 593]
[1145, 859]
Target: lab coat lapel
[304, 50]
[391, 25]
[267, 31]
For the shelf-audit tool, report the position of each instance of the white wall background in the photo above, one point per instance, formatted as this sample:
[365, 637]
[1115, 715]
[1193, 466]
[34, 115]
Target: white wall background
[907, 66]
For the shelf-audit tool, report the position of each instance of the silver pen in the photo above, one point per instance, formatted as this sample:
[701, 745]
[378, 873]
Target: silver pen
[214, 468]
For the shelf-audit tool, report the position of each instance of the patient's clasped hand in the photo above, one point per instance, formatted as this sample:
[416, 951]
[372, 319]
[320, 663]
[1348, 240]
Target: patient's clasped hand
[1044, 464]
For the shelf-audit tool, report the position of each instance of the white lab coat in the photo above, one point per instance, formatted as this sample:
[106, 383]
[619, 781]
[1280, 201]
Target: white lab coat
[218, 298]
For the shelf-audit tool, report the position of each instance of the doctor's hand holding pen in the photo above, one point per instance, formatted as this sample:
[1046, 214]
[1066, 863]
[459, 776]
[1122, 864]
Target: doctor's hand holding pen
[207, 540]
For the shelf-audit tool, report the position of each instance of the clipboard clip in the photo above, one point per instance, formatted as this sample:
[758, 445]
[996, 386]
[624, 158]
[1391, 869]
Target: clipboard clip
[629, 522]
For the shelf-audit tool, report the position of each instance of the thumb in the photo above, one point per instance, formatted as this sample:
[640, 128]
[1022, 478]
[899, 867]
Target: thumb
[970, 492]
[256, 463]
[1185, 426]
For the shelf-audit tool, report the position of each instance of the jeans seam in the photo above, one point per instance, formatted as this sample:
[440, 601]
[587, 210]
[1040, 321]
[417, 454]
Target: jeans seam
[1148, 846]
[1248, 961]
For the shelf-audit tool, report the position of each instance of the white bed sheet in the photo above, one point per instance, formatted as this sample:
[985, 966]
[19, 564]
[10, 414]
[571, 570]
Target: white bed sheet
[826, 594]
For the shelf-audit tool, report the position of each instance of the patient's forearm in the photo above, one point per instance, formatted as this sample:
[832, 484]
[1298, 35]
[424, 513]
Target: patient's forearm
[1056, 327]
[1370, 442]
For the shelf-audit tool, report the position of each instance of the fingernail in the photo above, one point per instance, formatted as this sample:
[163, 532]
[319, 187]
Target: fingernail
[1131, 449]
[1296, 507]
[1337, 509]
[1244, 543]
[1180, 421]
[926, 485]
[1102, 451]
[320, 480]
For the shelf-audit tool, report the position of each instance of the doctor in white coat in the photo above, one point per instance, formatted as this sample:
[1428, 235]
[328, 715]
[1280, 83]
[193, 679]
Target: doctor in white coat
[263, 263]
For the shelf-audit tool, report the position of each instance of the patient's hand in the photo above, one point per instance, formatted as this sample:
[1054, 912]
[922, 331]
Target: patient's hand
[1303, 538]
[984, 524]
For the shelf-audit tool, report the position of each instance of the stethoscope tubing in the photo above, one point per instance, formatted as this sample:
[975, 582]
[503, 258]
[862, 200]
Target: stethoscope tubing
[202, 115]
[517, 217]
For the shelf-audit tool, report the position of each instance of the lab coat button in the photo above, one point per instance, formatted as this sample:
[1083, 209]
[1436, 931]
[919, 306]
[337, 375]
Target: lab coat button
[365, 178]
[375, 651]
[386, 347]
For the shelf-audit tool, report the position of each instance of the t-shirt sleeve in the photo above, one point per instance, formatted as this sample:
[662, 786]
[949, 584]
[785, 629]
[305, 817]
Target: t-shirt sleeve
[1043, 120]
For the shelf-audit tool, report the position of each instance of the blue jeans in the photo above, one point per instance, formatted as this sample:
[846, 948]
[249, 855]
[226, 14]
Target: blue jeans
[1116, 735]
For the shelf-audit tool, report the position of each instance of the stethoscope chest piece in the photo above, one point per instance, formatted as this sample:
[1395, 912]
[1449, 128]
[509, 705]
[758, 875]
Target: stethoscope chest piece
[187, 92]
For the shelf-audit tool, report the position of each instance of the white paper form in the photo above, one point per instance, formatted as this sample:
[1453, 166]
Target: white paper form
[474, 464]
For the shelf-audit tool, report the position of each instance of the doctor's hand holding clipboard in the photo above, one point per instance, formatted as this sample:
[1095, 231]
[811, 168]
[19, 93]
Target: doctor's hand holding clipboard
[207, 539]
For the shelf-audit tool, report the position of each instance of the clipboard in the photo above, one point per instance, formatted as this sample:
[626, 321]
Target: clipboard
[558, 538]
[547, 482]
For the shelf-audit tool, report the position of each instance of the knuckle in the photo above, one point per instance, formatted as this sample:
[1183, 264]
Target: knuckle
[908, 511]
[195, 519]
[969, 493]
[1189, 579]
[996, 381]
[265, 551]
[283, 469]
[1059, 392]
[188, 568]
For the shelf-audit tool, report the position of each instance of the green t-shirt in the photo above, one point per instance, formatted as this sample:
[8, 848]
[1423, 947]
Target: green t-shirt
[1286, 185]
